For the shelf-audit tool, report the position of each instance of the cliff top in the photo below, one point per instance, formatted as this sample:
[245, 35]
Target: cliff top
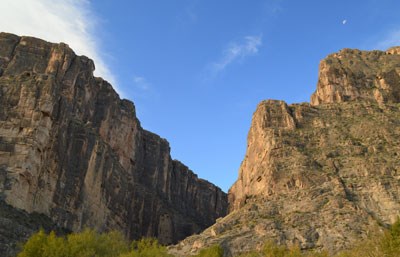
[352, 74]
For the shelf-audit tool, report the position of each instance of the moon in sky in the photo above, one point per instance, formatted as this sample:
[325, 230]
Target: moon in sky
[344, 22]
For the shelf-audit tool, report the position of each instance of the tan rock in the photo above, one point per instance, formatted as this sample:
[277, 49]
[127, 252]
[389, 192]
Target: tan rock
[321, 176]
[354, 74]
[71, 149]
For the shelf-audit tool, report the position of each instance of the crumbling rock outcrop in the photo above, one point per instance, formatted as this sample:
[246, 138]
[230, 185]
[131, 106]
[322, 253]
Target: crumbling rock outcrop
[353, 74]
[320, 175]
[16, 225]
[72, 150]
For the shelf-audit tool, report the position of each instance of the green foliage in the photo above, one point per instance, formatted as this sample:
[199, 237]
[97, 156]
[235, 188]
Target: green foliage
[35, 246]
[390, 244]
[89, 243]
[251, 254]
[213, 251]
[85, 244]
[272, 250]
[92, 244]
[147, 247]
[387, 245]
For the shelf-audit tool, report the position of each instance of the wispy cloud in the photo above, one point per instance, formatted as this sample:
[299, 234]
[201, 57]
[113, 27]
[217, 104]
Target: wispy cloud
[68, 21]
[237, 51]
[273, 8]
[392, 38]
[143, 88]
[141, 83]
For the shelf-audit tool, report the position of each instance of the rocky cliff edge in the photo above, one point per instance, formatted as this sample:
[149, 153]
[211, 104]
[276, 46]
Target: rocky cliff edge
[72, 150]
[321, 175]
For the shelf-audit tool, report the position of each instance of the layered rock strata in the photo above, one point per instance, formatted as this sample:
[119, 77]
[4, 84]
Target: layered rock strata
[359, 75]
[322, 175]
[72, 150]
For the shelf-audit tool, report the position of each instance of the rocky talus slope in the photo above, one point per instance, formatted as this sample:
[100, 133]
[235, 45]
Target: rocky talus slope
[73, 151]
[321, 175]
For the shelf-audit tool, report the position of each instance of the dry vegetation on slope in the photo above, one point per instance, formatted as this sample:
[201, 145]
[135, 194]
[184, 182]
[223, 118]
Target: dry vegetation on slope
[322, 175]
[89, 243]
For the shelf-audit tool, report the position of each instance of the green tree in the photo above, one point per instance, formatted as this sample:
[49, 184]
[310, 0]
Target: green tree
[85, 244]
[35, 245]
[55, 246]
[43, 245]
[90, 243]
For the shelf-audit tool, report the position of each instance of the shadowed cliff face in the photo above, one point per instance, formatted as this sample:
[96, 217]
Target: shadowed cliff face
[320, 175]
[72, 150]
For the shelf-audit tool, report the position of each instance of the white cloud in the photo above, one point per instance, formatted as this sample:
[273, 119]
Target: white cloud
[344, 22]
[68, 21]
[238, 50]
[391, 39]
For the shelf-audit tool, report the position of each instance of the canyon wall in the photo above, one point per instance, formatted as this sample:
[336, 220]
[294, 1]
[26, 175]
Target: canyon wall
[72, 150]
[321, 175]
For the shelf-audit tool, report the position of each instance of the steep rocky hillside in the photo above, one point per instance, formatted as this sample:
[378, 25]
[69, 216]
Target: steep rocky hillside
[321, 175]
[72, 150]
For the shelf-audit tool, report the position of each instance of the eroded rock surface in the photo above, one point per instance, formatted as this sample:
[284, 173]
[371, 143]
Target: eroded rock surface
[16, 225]
[72, 150]
[320, 175]
[353, 74]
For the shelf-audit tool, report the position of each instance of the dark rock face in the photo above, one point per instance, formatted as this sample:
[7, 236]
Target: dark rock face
[72, 150]
[322, 175]
[16, 225]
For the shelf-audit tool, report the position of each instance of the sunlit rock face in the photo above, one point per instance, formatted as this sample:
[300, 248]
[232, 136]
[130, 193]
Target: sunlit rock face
[321, 175]
[353, 74]
[72, 150]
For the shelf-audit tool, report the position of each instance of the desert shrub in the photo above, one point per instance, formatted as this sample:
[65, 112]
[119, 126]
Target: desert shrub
[147, 247]
[90, 243]
[390, 242]
[43, 245]
[251, 254]
[213, 251]
[271, 249]
[317, 254]
[383, 245]
[85, 244]
[387, 245]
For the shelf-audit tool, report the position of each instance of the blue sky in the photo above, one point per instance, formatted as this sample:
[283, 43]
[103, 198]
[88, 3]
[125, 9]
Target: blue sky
[196, 69]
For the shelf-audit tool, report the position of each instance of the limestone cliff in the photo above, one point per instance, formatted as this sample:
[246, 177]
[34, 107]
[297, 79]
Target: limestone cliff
[353, 74]
[321, 175]
[72, 150]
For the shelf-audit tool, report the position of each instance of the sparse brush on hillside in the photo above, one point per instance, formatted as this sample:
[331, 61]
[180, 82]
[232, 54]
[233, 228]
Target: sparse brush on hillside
[147, 247]
[387, 245]
[213, 251]
[272, 250]
[90, 243]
